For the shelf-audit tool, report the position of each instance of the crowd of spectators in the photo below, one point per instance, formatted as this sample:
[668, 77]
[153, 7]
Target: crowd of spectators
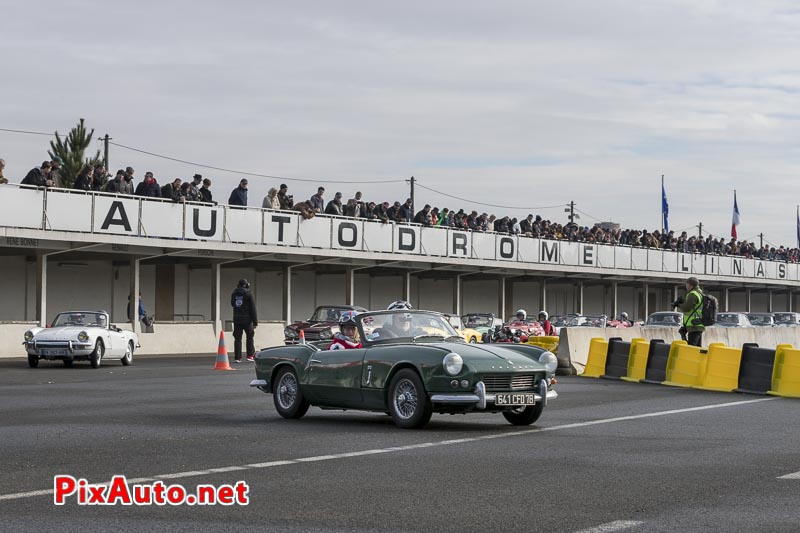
[198, 189]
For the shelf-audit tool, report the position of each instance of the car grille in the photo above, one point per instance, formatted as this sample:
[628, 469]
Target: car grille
[508, 382]
[312, 336]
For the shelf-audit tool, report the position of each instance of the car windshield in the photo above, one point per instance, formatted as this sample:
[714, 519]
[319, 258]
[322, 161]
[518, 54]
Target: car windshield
[665, 319]
[730, 318]
[477, 321]
[785, 318]
[80, 319]
[406, 325]
[587, 321]
[326, 314]
[760, 320]
[558, 321]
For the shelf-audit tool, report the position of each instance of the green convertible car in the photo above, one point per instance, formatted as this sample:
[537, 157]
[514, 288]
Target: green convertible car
[412, 364]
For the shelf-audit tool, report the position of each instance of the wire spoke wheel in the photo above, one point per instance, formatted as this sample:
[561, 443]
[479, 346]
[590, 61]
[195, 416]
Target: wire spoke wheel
[405, 399]
[287, 390]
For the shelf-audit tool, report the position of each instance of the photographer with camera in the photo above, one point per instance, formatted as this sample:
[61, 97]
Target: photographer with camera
[692, 308]
[285, 200]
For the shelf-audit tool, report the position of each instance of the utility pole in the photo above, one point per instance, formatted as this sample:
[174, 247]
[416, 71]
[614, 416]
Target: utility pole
[412, 181]
[700, 229]
[761, 238]
[105, 150]
[571, 210]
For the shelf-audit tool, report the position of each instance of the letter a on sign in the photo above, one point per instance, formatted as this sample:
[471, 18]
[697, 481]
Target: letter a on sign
[120, 220]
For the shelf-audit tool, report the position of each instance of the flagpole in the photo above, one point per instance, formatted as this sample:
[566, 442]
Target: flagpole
[662, 204]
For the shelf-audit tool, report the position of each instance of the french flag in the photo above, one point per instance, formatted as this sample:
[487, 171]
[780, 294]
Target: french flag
[736, 219]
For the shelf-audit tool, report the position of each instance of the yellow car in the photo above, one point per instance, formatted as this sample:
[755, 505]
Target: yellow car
[470, 335]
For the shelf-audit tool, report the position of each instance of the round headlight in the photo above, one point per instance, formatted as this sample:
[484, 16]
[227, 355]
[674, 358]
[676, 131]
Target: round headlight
[452, 363]
[549, 360]
[289, 332]
[83, 336]
[29, 336]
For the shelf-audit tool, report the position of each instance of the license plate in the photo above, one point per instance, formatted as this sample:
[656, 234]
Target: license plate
[515, 399]
[52, 352]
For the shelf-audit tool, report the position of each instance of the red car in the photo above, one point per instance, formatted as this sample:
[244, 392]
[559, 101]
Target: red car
[516, 331]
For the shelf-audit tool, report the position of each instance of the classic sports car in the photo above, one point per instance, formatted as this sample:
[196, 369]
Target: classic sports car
[472, 336]
[662, 319]
[787, 319]
[413, 364]
[733, 320]
[587, 321]
[516, 331]
[481, 322]
[80, 335]
[322, 325]
[761, 320]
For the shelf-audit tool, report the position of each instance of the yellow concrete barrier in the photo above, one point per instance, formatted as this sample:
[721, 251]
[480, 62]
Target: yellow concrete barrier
[596, 362]
[686, 366]
[722, 368]
[549, 343]
[637, 361]
[786, 373]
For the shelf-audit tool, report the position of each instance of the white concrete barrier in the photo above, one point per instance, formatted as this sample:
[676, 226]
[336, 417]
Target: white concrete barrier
[575, 341]
[168, 338]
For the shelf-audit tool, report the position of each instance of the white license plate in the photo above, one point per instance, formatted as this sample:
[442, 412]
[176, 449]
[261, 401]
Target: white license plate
[515, 399]
[53, 352]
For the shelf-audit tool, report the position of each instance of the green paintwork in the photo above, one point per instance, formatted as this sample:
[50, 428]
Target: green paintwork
[358, 379]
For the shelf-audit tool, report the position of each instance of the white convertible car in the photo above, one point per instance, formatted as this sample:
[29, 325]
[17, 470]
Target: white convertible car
[80, 335]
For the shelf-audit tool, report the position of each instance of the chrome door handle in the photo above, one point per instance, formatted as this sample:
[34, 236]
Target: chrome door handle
[315, 361]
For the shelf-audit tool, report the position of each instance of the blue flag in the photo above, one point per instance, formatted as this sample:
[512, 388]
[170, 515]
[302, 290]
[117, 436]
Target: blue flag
[665, 207]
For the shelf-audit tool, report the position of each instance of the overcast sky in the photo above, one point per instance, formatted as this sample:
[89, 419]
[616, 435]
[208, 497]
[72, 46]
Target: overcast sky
[525, 104]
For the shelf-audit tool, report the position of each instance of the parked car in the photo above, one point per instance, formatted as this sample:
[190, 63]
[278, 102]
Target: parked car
[762, 320]
[665, 319]
[587, 321]
[322, 326]
[560, 321]
[472, 336]
[481, 322]
[787, 319]
[733, 320]
[413, 364]
[80, 336]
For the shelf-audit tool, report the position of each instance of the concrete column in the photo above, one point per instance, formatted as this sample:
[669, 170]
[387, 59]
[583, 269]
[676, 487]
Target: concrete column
[407, 286]
[41, 289]
[501, 295]
[790, 296]
[747, 302]
[543, 295]
[646, 302]
[457, 286]
[580, 298]
[133, 297]
[287, 295]
[615, 299]
[769, 302]
[216, 306]
[350, 287]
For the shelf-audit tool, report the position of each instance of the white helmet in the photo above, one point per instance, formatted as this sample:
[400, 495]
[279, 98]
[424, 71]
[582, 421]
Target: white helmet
[546, 316]
[521, 312]
[399, 305]
[624, 315]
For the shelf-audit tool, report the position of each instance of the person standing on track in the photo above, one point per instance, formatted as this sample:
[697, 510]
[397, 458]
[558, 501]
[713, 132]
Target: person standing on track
[692, 308]
[245, 320]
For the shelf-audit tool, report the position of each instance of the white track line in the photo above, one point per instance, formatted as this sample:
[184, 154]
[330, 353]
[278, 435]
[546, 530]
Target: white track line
[449, 442]
[796, 475]
[617, 525]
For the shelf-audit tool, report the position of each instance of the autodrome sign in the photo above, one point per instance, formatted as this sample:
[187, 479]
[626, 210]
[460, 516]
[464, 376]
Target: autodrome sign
[71, 211]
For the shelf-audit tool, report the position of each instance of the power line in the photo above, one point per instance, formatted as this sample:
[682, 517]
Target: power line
[245, 173]
[418, 184]
[26, 132]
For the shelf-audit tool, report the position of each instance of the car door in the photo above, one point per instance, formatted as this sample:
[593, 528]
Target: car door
[334, 376]
[116, 346]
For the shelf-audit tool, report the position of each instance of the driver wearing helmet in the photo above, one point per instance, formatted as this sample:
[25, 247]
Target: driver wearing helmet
[347, 338]
[548, 328]
[521, 315]
[401, 325]
[623, 317]
[399, 305]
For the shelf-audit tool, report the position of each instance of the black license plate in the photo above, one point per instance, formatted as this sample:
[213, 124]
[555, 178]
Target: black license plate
[515, 399]
[52, 352]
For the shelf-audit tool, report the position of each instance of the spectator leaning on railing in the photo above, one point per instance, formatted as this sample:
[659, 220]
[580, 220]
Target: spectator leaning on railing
[39, 176]
[171, 190]
[317, 201]
[84, 180]
[117, 185]
[148, 188]
[205, 192]
[335, 206]
[285, 199]
[239, 195]
[99, 178]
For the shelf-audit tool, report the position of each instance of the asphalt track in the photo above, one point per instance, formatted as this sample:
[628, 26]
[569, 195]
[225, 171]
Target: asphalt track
[605, 456]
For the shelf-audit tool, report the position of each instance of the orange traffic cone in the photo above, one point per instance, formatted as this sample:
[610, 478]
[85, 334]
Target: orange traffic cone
[302, 337]
[222, 354]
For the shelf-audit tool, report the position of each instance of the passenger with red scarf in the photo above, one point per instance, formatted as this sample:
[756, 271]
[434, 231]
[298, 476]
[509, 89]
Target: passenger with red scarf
[548, 328]
[347, 338]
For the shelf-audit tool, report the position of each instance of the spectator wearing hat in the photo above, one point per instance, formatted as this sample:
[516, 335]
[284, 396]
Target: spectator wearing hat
[271, 199]
[335, 206]
[194, 188]
[3, 179]
[239, 195]
[127, 181]
[39, 176]
[317, 201]
[285, 199]
[148, 187]
[205, 192]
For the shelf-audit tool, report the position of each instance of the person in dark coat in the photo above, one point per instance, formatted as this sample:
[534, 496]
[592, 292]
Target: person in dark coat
[245, 320]
[149, 187]
[239, 195]
[84, 180]
[171, 190]
[205, 192]
[39, 176]
[406, 212]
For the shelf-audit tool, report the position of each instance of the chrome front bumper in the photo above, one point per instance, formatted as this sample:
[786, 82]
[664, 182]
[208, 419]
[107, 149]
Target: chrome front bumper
[260, 384]
[482, 399]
